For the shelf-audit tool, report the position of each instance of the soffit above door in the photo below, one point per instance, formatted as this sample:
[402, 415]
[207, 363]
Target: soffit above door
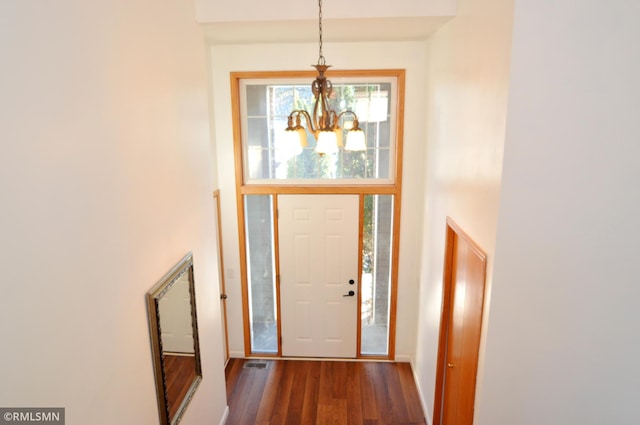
[337, 30]
[216, 11]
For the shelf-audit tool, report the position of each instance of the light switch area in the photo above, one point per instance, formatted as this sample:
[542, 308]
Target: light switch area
[230, 273]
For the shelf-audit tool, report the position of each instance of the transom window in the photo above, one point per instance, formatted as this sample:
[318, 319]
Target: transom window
[269, 159]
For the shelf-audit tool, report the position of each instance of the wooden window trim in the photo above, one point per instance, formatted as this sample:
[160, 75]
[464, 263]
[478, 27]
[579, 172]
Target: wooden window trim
[243, 189]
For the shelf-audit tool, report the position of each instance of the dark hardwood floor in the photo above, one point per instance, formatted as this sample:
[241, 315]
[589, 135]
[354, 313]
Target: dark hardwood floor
[298, 392]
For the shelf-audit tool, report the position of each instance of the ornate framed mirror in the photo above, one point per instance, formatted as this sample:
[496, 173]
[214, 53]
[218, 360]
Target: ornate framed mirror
[174, 339]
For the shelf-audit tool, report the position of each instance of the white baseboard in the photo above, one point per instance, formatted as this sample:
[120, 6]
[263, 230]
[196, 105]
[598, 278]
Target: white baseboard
[427, 415]
[400, 358]
[403, 358]
[225, 415]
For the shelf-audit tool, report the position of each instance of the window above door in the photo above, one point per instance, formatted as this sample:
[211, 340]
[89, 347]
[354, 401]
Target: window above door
[267, 158]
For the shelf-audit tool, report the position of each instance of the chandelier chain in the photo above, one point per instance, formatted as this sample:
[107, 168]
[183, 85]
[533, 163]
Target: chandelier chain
[321, 59]
[323, 121]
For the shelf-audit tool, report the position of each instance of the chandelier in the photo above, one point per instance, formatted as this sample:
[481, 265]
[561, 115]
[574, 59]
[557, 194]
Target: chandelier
[323, 123]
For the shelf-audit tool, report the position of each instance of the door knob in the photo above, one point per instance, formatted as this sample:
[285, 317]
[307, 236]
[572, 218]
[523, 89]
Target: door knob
[450, 365]
[350, 294]
[223, 296]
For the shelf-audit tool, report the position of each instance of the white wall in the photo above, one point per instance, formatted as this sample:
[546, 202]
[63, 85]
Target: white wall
[252, 57]
[105, 184]
[278, 10]
[467, 100]
[564, 336]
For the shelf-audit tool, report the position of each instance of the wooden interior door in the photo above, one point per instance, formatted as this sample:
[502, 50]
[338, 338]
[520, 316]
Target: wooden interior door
[460, 329]
[318, 257]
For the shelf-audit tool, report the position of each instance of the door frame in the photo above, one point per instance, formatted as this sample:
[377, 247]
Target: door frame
[222, 286]
[453, 232]
[361, 191]
[360, 188]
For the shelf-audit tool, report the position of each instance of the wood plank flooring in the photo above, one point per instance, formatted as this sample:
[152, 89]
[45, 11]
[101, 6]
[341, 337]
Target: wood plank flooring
[299, 392]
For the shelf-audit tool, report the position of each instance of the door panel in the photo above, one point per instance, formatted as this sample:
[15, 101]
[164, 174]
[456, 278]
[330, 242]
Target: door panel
[460, 331]
[318, 255]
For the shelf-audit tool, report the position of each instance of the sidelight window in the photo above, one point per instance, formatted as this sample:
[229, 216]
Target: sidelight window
[376, 274]
[261, 273]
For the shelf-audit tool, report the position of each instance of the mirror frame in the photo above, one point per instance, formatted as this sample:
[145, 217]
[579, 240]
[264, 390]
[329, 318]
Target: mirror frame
[153, 302]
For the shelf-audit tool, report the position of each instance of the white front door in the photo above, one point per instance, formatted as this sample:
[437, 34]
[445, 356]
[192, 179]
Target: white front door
[318, 251]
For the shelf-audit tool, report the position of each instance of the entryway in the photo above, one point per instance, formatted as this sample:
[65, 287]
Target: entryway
[297, 299]
[321, 392]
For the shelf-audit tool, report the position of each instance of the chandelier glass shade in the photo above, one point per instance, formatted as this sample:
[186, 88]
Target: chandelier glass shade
[323, 122]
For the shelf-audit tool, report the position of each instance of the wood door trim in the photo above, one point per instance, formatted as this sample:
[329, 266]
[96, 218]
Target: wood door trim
[223, 287]
[359, 279]
[382, 188]
[276, 258]
[237, 154]
[452, 231]
[397, 204]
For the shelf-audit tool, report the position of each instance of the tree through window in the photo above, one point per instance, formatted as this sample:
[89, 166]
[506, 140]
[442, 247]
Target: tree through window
[266, 105]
